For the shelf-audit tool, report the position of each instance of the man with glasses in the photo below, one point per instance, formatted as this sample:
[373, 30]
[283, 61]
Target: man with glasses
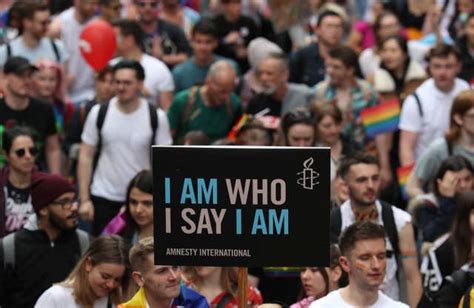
[33, 44]
[18, 108]
[163, 39]
[47, 248]
[159, 284]
[122, 144]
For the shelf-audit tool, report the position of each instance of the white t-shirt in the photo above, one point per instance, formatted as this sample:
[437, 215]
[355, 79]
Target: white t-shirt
[60, 297]
[390, 284]
[436, 106]
[334, 300]
[44, 50]
[83, 87]
[158, 77]
[125, 148]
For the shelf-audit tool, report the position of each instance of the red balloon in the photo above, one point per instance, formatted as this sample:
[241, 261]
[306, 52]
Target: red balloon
[97, 44]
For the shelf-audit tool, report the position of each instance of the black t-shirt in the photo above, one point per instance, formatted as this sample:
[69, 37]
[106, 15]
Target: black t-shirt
[18, 207]
[248, 31]
[173, 40]
[38, 116]
[261, 102]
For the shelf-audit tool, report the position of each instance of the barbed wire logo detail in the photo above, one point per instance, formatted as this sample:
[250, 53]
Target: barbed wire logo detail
[308, 177]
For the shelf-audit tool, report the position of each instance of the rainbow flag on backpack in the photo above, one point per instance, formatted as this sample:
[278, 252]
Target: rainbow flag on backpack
[382, 118]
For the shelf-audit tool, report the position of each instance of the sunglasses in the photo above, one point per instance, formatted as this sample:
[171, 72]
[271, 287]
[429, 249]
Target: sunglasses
[22, 152]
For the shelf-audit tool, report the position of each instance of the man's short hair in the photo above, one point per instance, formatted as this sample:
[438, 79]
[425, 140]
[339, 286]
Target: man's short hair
[139, 253]
[205, 26]
[359, 232]
[130, 27]
[357, 158]
[443, 51]
[28, 8]
[104, 72]
[346, 55]
[133, 65]
[280, 57]
[325, 14]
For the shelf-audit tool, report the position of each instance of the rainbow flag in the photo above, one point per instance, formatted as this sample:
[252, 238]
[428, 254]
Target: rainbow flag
[382, 118]
[403, 173]
[233, 132]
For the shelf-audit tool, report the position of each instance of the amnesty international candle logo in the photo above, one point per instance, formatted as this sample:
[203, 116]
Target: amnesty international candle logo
[237, 206]
[308, 177]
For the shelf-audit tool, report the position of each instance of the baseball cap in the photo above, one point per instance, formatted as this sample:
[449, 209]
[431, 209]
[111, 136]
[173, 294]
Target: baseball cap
[18, 65]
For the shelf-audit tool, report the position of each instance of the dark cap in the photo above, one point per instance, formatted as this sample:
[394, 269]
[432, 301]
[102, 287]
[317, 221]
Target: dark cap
[18, 65]
[45, 188]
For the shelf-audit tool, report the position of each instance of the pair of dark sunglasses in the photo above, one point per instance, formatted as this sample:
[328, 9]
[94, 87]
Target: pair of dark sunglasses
[22, 152]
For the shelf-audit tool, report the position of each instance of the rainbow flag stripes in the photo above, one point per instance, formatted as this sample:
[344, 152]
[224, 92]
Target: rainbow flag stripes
[382, 118]
[233, 132]
[403, 173]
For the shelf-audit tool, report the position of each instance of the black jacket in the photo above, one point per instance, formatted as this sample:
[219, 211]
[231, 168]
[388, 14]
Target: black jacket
[38, 264]
[467, 71]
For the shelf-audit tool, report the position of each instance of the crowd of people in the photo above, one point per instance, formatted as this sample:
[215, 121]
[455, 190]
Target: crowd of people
[76, 195]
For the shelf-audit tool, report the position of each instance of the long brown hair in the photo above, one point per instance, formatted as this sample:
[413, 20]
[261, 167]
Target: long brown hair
[229, 278]
[462, 104]
[107, 249]
[461, 233]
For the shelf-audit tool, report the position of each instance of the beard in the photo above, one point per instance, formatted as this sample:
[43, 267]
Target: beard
[60, 223]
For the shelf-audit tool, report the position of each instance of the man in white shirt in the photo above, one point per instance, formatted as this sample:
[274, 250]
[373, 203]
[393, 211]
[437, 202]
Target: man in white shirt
[364, 258]
[123, 145]
[158, 85]
[425, 114]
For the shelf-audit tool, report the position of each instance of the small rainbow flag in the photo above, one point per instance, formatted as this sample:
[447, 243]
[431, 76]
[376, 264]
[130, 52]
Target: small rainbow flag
[382, 118]
[403, 173]
[236, 128]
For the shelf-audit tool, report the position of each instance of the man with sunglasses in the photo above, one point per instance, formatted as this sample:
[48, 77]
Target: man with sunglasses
[163, 40]
[18, 108]
[47, 248]
[159, 284]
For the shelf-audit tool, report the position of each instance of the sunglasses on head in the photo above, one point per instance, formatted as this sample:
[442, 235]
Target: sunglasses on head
[22, 152]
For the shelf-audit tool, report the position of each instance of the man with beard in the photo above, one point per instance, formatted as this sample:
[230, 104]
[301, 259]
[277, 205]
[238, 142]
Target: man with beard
[159, 284]
[361, 175]
[33, 44]
[48, 247]
[277, 96]
[364, 258]
[212, 108]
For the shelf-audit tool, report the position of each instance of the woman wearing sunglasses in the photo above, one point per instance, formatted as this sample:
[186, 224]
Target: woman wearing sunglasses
[19, 153]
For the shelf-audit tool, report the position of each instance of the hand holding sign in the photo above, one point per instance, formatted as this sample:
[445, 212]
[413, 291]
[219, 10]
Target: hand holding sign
[97, 44]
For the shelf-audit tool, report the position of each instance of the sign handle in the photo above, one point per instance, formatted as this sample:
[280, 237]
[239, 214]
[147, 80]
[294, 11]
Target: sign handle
[242, 287]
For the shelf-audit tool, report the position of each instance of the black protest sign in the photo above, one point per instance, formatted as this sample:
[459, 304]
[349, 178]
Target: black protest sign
[241, 206]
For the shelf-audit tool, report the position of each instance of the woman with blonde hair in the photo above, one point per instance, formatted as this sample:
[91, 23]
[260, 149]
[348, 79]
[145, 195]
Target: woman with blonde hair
[97, 280]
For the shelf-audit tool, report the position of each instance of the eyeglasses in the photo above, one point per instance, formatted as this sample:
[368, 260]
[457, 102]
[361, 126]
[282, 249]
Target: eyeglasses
[150, 4]
[66, 204]
[22, 152]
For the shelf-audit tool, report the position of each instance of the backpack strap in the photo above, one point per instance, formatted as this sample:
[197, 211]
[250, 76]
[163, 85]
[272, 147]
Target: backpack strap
[449, 146]
[100, 122]
[83, 241]
[153, 122]
[56, 51]
[335, 225]
[390, 226]
[189, 105]
[8, 246]
[418, 103]
[82, 113]
[9, 51]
